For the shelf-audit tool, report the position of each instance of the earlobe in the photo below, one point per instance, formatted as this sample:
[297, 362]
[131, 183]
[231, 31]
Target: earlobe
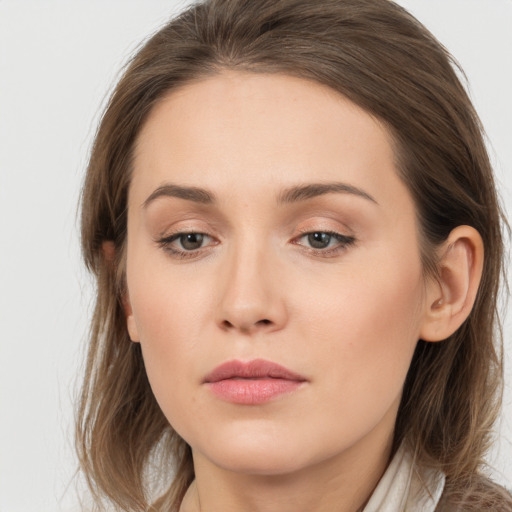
[109, 253]
[450, 297]
[130, 320]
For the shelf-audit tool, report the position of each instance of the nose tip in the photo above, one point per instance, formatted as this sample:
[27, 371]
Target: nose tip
[251, 298]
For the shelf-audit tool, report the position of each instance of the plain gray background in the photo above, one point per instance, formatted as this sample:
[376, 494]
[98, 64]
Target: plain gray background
[58, 59]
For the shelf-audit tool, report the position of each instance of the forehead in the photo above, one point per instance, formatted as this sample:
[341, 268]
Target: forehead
[261, 130]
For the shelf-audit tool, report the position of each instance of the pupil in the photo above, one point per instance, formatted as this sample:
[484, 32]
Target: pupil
[192, 241]
[319, 240]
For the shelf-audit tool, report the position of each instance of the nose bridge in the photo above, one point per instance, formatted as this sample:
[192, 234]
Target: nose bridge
[251, 297]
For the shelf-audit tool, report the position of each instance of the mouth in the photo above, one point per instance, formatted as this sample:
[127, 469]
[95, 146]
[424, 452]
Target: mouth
[252, 383]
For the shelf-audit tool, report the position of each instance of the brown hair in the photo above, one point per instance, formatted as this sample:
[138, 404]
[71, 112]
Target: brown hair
[381, 58]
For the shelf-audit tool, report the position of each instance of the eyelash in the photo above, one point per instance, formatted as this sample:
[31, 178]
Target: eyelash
[344, 241]
[165, 244]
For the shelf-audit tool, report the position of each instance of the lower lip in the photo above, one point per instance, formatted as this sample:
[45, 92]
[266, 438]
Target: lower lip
[252, 391]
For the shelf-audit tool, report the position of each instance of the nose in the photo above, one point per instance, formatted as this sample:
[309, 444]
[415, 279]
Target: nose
[252, 297]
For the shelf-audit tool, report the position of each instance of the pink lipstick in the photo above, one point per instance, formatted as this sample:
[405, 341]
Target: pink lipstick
[253, 382]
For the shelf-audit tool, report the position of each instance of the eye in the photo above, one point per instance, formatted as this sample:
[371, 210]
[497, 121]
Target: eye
[319, 239]
[185, 244]
[325, 242]
[191, 241]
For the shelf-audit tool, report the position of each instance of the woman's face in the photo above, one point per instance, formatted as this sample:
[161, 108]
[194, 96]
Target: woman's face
[267, 222]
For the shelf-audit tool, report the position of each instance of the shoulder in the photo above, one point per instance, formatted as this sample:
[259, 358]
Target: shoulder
[475, 495]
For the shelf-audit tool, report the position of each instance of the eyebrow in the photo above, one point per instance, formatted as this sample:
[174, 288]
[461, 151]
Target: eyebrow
[196, 194]
[311, 190]
[293, 194]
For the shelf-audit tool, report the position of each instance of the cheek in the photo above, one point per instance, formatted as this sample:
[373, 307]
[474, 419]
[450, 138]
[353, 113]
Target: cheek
[167, 312]
[169, 320]
[369, 325]
[166, 298]
[170, 336]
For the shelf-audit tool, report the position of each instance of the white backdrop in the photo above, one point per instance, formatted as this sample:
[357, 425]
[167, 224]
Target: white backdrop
[58, 59]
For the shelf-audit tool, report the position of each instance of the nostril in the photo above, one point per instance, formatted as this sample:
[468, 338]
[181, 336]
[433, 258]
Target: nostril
[226, 324]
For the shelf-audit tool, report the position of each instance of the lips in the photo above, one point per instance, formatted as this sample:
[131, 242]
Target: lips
[253, 382]
[255, 369]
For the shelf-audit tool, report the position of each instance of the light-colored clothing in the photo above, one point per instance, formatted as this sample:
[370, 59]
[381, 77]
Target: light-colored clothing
[406, 488]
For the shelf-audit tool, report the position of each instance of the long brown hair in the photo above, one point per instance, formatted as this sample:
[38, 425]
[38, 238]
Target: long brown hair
[381, 58]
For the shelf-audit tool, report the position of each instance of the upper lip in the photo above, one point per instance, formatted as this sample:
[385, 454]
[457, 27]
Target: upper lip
[255, 369]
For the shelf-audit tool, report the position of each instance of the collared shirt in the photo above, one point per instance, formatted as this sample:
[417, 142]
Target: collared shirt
[405, 487]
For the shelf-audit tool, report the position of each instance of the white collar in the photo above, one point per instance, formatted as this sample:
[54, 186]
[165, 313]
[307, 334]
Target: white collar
[405, 487]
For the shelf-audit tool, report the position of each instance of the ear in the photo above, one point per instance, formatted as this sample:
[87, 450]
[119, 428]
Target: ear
[450, 297]
[130, 319]
[109, 252]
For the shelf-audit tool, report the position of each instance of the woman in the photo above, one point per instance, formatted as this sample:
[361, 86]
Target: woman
[293, 222]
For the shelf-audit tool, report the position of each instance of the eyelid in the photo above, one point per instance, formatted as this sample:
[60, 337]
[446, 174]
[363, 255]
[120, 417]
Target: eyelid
[344, 241]
[165, 241]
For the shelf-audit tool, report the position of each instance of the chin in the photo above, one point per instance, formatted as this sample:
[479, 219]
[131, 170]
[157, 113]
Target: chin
[255, 453]
[261, 462]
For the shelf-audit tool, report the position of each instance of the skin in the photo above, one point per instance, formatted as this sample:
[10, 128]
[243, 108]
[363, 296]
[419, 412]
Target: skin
[346, 317]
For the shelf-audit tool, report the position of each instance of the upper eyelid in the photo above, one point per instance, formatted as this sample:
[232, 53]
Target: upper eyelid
[300, 233]
[342, 231]
[170, 232]
[305, 223]
[317, 218]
